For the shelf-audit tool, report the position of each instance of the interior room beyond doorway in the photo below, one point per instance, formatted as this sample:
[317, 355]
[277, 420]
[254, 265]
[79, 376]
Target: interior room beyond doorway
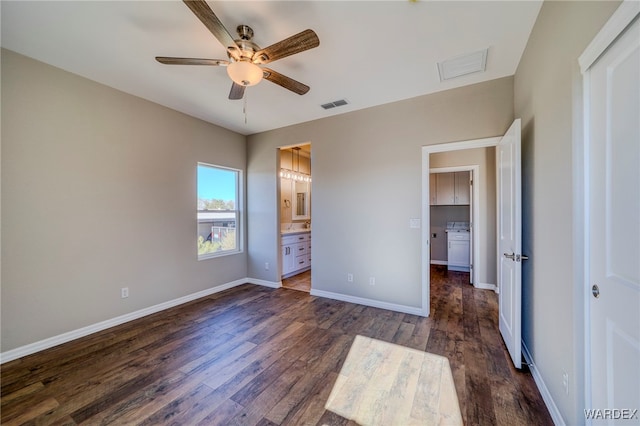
[466, 200]
[295, 216]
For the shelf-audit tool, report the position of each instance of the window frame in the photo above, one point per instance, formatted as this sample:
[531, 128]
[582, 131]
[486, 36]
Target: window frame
[239, 229]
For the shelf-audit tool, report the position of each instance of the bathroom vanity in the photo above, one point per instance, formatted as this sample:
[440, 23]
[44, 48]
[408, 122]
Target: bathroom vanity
[296, 251]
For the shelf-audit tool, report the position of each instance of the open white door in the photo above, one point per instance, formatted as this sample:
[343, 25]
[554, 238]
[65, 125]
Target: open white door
[613, 230]
[472, 227]
[509, 255]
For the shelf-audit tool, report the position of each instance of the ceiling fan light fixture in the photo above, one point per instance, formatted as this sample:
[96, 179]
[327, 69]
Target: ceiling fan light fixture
[245, 73]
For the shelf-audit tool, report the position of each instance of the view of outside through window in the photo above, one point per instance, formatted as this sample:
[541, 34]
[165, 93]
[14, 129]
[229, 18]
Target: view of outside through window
[217, 210]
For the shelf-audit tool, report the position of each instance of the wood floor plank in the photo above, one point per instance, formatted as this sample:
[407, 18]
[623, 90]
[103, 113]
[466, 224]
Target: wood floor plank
[324, 362]
[33, 412]
[264, 402]
[224, 414]
[311, 408]
[262, 356]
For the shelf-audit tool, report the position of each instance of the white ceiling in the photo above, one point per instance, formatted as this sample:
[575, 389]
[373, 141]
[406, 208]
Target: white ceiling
[370, 53]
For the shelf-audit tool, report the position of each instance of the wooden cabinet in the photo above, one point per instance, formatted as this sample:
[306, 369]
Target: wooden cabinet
[450, 189]
[432, 189]
[445, 189]
[296, 253]
[462, 191]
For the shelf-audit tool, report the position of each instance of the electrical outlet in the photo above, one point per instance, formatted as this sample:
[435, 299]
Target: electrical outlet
[124, 292]
[372, 280]
[565, 382]
[349, 278]
[266, 266]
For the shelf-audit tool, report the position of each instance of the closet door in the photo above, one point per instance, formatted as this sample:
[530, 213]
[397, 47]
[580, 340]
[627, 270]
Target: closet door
[613, 229]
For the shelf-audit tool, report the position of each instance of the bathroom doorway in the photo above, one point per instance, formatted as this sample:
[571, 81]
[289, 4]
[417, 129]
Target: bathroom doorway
[295, 216]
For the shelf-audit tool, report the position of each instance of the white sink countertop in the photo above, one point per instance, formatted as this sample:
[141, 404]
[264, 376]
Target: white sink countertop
[295, 231]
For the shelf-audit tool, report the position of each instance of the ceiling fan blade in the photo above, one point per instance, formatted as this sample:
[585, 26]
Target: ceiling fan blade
[191, 61]
[237, 91]
[202, 10]
[300, 42]
[284, 81]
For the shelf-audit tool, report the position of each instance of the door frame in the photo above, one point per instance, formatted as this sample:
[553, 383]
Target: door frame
[427, 150]
[617, 23]
[475, 214]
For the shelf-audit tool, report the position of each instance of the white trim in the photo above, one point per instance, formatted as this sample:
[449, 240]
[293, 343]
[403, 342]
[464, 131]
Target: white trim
[369, 302]
[486, 286]
[542, 388]
[454, 169]
[621, 18]
[439, 262]
[103, 325]
[425, 235]
[264, 283]
[581, 236]
[470, 144]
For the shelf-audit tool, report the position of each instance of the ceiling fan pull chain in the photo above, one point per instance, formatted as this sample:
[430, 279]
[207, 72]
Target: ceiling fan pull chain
[244, 108]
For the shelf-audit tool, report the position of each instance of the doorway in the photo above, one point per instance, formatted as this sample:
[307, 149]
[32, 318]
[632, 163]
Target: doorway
[454, 209]
[294, 201]
[477, 156]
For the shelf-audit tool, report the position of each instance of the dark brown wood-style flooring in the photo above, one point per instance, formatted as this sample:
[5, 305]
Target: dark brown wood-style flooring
[258, 356]
[301, 281]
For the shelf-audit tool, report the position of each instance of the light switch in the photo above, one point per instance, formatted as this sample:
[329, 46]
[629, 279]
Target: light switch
[414, 223]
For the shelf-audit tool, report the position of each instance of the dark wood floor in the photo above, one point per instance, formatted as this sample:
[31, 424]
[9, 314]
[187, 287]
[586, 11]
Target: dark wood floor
[258, 356]
[300, 282]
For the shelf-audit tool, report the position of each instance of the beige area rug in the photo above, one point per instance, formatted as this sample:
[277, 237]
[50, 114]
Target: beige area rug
[385, 384]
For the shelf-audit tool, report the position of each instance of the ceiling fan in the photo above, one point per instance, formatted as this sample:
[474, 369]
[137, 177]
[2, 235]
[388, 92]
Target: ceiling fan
[245, 56]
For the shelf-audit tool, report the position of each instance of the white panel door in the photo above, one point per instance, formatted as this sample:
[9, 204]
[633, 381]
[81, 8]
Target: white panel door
[613, 238]
[509, 211]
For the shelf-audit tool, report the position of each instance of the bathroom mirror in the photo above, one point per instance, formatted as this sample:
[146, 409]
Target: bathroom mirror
[300, 199]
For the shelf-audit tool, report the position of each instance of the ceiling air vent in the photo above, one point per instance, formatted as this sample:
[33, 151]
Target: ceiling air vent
[334, 104]
[463, 65]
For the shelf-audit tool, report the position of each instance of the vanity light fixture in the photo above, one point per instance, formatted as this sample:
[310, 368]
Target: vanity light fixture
[295, 175]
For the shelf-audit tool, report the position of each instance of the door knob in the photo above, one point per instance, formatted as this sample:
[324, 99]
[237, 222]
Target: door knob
[511, 256]
[595, 290]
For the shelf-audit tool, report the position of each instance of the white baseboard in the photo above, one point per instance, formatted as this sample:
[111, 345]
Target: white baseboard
[542, 388]
[264, 283]
[486, 286]
[370, 302]
[103, 325]
[439, 262]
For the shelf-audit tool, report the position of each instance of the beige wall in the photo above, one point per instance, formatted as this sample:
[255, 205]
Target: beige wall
[485, 158]
[547, 98]
[98, 193]
[366, 186]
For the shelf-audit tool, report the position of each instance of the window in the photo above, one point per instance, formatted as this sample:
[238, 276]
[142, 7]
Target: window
[218, 211]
